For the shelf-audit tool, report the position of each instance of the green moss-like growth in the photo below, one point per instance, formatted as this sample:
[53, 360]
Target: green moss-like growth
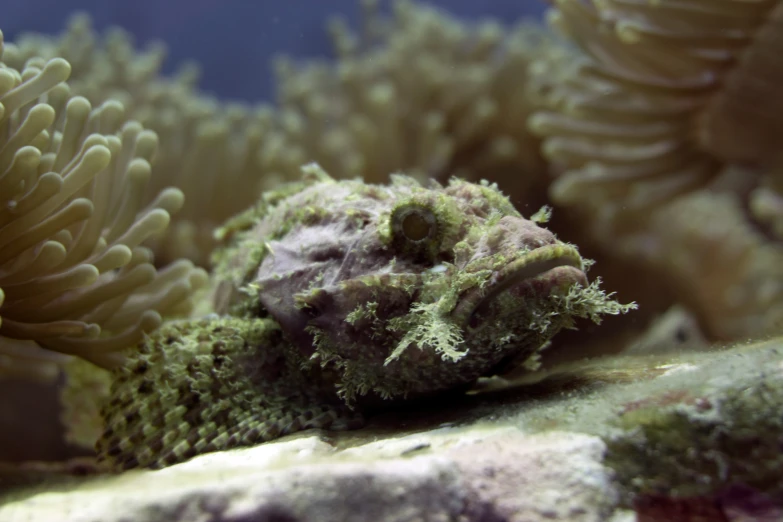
[721, 427]
[208, 385]
[332, 299]
[85, 388]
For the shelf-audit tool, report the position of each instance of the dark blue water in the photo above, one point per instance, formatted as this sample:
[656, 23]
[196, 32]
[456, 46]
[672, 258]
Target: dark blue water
[232, 39]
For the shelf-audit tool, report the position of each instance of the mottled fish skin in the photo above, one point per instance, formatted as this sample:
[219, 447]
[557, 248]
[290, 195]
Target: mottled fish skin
[333, 297]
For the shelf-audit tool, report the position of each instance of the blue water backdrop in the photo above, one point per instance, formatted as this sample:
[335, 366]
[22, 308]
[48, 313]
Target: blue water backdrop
[233, 40]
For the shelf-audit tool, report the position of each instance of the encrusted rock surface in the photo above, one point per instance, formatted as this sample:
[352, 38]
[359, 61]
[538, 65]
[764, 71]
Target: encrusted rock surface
[621, 439]
[446, 474]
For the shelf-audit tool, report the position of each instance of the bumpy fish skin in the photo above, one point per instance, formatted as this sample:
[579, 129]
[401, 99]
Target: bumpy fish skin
[334, 297]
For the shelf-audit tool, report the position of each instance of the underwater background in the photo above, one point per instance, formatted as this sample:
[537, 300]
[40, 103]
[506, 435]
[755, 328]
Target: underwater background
[656, 148]
[232, 40]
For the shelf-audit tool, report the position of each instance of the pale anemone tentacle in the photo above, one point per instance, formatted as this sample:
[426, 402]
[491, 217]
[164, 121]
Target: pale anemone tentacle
[624, 128]
[419, 92]
[73, 277]
[201, 138]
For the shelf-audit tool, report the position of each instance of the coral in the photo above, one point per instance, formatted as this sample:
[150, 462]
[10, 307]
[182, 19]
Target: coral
[420, 92]
[102, 67]
[659, 113]
[74, 278]
[347, 295]
[207, 148]
[743, 121]
[704, 247]
[636, 118]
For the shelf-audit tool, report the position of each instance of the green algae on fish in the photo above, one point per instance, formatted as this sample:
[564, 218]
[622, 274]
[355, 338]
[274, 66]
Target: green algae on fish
[334, 298]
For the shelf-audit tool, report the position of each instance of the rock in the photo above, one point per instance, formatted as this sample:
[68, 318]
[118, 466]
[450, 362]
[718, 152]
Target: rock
[706, 428]
[461, 474]
[617, 439]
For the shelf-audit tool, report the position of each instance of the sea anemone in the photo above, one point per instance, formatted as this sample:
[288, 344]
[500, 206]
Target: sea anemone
[716, 261]
[652, 109]
[74, 278]
[418, 91]
[207, 148]
[647, 111]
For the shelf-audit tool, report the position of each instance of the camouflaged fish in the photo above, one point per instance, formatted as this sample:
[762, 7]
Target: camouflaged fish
[335, 297]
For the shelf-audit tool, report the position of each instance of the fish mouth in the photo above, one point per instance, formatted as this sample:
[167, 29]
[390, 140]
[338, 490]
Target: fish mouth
[535, 273]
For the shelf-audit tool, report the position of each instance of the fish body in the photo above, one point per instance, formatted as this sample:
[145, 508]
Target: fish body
[335, 297]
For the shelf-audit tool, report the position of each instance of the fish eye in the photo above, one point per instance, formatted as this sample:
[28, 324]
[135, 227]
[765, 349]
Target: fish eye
[414, 223]
[416, 230]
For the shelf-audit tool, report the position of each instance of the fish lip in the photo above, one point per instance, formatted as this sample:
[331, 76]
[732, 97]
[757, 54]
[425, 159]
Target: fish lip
[527, 267]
